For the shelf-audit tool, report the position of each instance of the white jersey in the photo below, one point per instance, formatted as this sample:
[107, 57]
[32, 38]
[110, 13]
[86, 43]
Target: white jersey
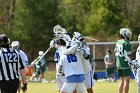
[138, 71]
[72, 64]
[24, 57]
[58, 54]
[138, 54]
[86, 62]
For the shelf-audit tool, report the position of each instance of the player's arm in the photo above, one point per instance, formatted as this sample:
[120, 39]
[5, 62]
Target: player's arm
[106, 61]
[23, 75]
[70, 50]
[60, 66]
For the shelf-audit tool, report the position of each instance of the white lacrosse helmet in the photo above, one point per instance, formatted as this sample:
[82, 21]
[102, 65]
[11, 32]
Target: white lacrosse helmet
[41, 53]
[15, 45]
[125, 32]
[78, 36]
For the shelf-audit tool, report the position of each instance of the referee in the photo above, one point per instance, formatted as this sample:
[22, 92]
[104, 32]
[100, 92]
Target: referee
[10, 67]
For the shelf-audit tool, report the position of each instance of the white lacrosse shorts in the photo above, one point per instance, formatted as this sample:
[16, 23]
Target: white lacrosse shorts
[70, 87]
[138, 77]
[60, 81]
[89, 81]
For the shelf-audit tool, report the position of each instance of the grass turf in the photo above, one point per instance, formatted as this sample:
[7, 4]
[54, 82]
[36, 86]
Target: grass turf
[99, 87]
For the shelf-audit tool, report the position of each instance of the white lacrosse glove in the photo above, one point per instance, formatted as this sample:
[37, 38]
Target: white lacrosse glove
[80, 51]
[134, 64]
[37, 66]
[52, 43]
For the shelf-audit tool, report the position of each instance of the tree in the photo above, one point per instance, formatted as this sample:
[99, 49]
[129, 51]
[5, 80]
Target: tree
[33, 24]
[72, 13]
[105, 19]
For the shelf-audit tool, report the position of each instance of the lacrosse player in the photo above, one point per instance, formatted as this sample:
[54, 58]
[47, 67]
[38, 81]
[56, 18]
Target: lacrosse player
[60, 77]
[59, 33]
[138, 59]
[39, 67]
[110, 65]
[42, 66]
[71, 65]
[79, 45]
[15, 45]
[88, 73]
[123, 68]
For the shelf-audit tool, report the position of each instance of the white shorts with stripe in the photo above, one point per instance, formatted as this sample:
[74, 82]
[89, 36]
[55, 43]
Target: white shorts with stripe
[89, 81]
[70, 87]
[60, 81]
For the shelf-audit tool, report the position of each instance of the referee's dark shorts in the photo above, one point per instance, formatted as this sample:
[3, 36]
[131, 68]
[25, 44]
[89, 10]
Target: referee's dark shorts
[10, 86]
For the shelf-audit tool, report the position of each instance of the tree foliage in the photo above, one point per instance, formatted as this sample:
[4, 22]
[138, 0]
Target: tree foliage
[32, 21]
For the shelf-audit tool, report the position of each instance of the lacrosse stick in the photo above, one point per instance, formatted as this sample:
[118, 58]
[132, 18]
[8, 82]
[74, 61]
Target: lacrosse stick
[91, 38]
[134, 65]
[59, 29]
[43, 54]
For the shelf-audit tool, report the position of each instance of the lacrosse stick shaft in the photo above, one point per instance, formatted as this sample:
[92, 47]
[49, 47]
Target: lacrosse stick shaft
[91, 38]
[43, 54]
[128, 59]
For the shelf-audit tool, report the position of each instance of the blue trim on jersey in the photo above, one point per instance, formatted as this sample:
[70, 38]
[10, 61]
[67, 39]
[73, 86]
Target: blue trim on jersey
[75, 78]
[56, 57]
[84, 51]
[91, 75]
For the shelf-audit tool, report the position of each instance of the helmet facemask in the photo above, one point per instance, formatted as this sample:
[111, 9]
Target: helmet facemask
[15, 45]
[125, 33]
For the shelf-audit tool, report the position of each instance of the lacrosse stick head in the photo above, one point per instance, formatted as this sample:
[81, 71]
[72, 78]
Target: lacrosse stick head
[59, 29]
[125, 33]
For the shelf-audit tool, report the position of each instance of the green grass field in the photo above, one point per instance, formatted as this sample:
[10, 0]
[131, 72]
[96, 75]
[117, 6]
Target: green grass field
[99, 87]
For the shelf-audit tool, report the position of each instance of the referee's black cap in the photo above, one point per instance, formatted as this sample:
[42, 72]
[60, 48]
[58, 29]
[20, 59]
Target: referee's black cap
[4, 40]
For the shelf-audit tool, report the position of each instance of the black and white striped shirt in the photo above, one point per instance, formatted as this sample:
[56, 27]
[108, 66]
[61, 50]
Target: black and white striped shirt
[10, 64]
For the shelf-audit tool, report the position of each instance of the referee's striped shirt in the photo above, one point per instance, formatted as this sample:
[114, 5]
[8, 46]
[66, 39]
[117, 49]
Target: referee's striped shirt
[10, 64]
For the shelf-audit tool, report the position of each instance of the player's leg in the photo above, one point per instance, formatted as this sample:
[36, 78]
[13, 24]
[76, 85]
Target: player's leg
[108, 74]
[126, 84]
[19, 87]
[89, 82]
[80, 88]
[126, 75]
[138, 80]
[69, 88]
[113, 74]
[120, 73]
[121, 85]
[60, 81]
[41, 76]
